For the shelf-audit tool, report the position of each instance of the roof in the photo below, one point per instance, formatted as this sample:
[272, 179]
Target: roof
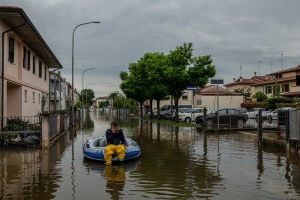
[14, 16]
[249, 81]
[293, 69]
[214, 90]
[277, 80]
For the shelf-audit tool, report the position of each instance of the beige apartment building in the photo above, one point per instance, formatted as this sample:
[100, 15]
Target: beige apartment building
[27, 60]
[246, 83]
[288, 80]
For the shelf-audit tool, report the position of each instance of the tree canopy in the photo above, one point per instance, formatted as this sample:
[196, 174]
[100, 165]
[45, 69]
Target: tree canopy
[156, 75]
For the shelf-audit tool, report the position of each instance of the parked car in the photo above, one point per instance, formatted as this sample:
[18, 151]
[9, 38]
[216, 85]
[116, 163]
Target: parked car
[229, 117]
[191, 114]
[273, 114]
[167, 108]
[253, 113]
[168, 114]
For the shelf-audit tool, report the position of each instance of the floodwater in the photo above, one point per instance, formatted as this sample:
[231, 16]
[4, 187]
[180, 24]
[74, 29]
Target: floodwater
[177, 163]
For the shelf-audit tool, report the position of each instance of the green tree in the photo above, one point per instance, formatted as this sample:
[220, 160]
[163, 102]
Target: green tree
[134, 83]
[113, 95]
[244, 91]
[276, 90]
[103, 104]
[260, 96]
[155, 64]
[183, 70]
[86, 97]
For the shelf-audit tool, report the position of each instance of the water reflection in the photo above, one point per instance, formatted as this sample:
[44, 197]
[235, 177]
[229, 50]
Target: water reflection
[31, 174]
[177, 163]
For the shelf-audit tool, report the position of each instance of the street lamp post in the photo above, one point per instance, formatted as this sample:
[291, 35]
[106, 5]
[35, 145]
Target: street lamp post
[2, 73]
[86, 91]
[82, 76]
[73, 34]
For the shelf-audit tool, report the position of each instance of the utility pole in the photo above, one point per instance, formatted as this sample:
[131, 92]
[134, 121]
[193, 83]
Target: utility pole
[281, 56]
[241, 71]
[271, 65]
[259, 62]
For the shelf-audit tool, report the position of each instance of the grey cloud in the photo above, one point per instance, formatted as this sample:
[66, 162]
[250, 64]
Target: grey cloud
[235, 32]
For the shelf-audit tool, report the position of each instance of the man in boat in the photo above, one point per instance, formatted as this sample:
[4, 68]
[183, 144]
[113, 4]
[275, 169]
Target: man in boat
[115, 143]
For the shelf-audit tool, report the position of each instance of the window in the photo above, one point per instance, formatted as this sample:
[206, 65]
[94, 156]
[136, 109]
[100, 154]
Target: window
[297, 80]
[25, 95]
[33, 64]
[185, 96]
[285, 87]
[28, 59]
[199, 102]
[39, 98]
[269, 89]
[33, 97]
[45, 73]
[24, 57]
[40, 69]
[11, 50]
[232, 111]
[222, 112]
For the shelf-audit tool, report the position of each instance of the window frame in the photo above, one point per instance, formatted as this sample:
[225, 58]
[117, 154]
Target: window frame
[11, 52]
[40, 69]
[33, 64]
[25, 96]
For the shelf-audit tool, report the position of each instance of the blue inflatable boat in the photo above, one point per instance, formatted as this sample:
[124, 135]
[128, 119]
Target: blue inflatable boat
[94, 148]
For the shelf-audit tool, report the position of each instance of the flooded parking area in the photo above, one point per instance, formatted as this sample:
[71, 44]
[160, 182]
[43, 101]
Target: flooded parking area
[176, 163]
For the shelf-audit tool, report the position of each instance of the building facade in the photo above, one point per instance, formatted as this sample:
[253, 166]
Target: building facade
[27, 60]
[287, 80]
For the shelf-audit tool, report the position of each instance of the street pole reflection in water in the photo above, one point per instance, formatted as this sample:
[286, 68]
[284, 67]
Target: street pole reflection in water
[260, 165]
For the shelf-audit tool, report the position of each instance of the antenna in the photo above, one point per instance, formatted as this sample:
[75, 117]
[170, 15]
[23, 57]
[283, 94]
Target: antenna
[259, 62]
[281, 55]
[271, 65]
[241, 71]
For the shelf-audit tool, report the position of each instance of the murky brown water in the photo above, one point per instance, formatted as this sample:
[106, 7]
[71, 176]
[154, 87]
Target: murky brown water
[177, 163]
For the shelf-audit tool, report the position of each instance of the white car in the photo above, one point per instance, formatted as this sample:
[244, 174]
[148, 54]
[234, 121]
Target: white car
[191, 115]
[253, 113]
[273, 115]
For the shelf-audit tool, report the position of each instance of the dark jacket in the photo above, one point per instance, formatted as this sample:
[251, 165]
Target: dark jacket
[115, 138]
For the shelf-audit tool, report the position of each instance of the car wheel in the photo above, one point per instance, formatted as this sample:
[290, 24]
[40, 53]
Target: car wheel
[270, 118]
[240, 123]
[187, 119]
[209, 124]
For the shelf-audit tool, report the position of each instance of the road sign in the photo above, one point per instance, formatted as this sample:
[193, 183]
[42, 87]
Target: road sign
[217, 81]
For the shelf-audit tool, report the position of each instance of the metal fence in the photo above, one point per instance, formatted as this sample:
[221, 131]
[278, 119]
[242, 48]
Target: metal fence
[21, 124]
[25, 130]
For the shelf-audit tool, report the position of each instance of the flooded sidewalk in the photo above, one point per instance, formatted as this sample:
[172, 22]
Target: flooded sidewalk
[176, 163]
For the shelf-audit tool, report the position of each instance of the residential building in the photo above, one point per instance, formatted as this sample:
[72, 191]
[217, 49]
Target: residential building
[206, 97]
[288, 80]
[27, 60]
[58, 92]
[247, 83]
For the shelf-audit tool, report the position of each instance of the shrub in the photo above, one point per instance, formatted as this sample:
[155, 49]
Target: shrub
[249, 105]
[260, 96]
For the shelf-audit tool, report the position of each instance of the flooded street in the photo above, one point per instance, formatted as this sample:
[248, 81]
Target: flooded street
[176, 163]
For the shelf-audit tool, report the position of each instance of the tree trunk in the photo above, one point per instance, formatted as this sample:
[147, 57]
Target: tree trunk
[176, 108]
[151, 110]
[141, 109]
[158, 108]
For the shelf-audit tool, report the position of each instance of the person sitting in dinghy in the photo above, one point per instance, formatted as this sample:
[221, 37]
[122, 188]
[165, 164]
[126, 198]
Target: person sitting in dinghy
[116, 143]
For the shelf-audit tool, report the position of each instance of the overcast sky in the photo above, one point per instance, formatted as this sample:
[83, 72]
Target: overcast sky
[234, 32]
